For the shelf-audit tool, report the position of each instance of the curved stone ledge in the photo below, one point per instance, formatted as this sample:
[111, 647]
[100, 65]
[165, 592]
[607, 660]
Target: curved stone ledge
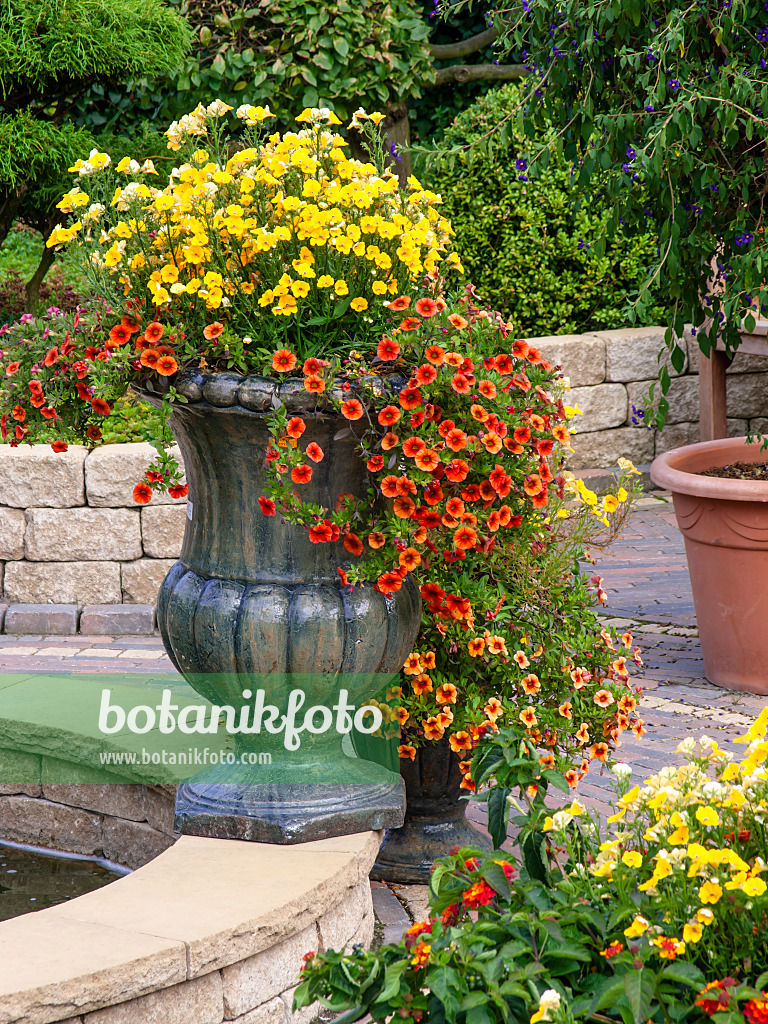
[211, 930]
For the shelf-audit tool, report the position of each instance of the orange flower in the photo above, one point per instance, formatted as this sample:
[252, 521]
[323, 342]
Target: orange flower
[217, 328]
[531, 683]
[460, 384]
[572, 778]
[520, 659]
[301, 474]
[401, 715]
[435, 354]
[321, 533]
[314, 385]
[296, 426]
[403, 507]
[532, 485]
[479, 413]
[405, 750]
[639, 729]
[427, 460]
[376, 539]
[476, 647]
[467, 783]
[528, 717]
[409, 559]
[410, 398]
[412, 666]
[547, 761]
[464, 538]
[599, 751]
[353, 544]
[166, 365]
[154, 332]
[267, 506]
[389, 441]
[422, 683]
[433, 730]
[410, 323]
[387, 349]
[389, 582]
[389, 415]
[460, 741]
[457, 470]
[149, 357]
[493, 709]
[603, 698]
[492, 442]
[582, 734]
[413, 446]
[119, 335]
[561, 434]
[457, 321]
[283, 361]
[400, 303]
[352, 409]
[565, 710]
[446, 694]
[315, 452]
[142, 493]
[426, 307]
[312, 366]
[375, 463]
[426, 374]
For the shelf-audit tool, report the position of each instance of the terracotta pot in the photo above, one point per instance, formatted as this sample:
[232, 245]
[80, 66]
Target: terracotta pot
[725, 526]
[435, 817]
[253, 604]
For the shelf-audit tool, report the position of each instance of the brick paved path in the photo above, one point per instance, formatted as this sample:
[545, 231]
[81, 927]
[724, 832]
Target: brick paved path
[649, 593]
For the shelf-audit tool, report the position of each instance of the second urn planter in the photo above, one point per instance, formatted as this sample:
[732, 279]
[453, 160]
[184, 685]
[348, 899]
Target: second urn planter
[725, 526]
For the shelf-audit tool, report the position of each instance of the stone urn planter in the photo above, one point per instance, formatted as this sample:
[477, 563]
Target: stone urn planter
[253, 604]
[435, 817]
[725, 526]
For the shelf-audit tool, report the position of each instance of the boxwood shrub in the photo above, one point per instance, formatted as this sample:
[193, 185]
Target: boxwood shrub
[525, 244]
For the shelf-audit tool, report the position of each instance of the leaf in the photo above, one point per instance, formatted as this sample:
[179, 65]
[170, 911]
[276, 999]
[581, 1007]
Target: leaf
[556, 779]
[341, 46]
[535, 864]
[498, 813]
[639, 989]
[687, 974]
[344, 432]
[495, 877]
[341, 307]
[392, 976]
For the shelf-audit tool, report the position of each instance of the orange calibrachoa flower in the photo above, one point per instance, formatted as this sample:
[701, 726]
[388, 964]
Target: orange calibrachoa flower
[283, 361]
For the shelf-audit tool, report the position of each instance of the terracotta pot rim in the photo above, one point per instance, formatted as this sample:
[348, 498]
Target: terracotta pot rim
[679, 470]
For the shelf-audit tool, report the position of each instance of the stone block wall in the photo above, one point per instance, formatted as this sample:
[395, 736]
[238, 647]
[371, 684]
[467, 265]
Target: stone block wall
[71, 533]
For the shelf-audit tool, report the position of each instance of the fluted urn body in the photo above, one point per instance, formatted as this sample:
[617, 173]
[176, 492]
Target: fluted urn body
[252, 604]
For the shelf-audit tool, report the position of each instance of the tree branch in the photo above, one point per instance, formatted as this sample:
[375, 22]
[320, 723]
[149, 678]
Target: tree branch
[478, 73]
[452, 51]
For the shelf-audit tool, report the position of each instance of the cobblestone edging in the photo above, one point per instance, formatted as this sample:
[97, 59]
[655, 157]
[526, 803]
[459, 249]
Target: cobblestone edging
[71, 534]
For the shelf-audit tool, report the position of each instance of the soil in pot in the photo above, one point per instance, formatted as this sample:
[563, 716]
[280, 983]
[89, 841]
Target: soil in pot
[739, 471]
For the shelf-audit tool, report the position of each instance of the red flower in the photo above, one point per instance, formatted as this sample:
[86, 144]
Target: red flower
[465, 538]
[457, 470]
[154, 332]
[400, 303]
[413, 446]
[214, 330]
[352, 409]
[322, 533]
[149, 357]
[301, 474]
[389, 582]
[93, 432]
[51, 357]
[435, 354]
[296, 426]
[119, 335]
[315, 452]
[284, 361]
[425, 374]
[410, 398]
[533, 356]
[410, 323]
[389, 415]
[520, 348]
[387, 349]
[267, 506]
[460, 384]
[154, 477]
[426, 307]
[59, 446]
[166, 365]
[315, 385]
[433, 493]
[142, 493]
[100, 406]
[312, 366]
[504, 365]
[375, 463]
[353, 544]
[179, 490]
[480, 894]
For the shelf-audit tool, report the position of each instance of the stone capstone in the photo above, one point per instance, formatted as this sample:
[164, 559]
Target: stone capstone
[35, 476]
[84, 534]
[582, 356]
[602, 407]
[112, 472]
[252, 982]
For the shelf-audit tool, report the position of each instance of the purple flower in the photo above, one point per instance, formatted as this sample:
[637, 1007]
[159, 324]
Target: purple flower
[521, 164]
[673, 84]
[631, 154]
[762, 34]
[25, 318]
[394, 153]
[650, 108]
[526, 7]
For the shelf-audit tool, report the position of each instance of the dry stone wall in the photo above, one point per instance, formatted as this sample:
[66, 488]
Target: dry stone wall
[71, 533]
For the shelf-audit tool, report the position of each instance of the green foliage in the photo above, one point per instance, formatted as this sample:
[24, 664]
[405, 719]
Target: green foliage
[290, 54]
[525, 245]
[663, 107]
[131, 420]
[52, 49]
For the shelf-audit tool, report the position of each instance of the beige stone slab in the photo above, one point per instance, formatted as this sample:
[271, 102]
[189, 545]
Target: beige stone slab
[162, 530]
[112, 472]
[192, 1002]
[13, 523]
[251, 982]
[53, 966]
[34, 476]
[307, 1013]
[120, 801]
[58, 652]
[78, 583]
[202, 892]
[582, 356]
[605, 447]
[273, 1012]
[82, 535]
[636, 353]
[339, 925]
[98, 652]
[17, 650]
[142, 655]
[602, 407]
[141, 579]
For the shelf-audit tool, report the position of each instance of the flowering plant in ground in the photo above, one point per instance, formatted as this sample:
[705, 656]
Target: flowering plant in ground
[661, 919]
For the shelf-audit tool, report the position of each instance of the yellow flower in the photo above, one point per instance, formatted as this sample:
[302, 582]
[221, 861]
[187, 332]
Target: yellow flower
[325, 281]
[707, 816]
[692, 932]
[632, 859]
[300, 289]
[610, 504]
[359, 305]
[637, 928]
[341, 288]
[705, 916]
[710, 892]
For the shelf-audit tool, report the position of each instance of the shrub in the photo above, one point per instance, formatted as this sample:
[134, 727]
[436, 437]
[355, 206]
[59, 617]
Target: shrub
[524, 244]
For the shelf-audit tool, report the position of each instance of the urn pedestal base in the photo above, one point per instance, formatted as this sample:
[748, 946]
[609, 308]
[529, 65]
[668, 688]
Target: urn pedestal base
[408, 853]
